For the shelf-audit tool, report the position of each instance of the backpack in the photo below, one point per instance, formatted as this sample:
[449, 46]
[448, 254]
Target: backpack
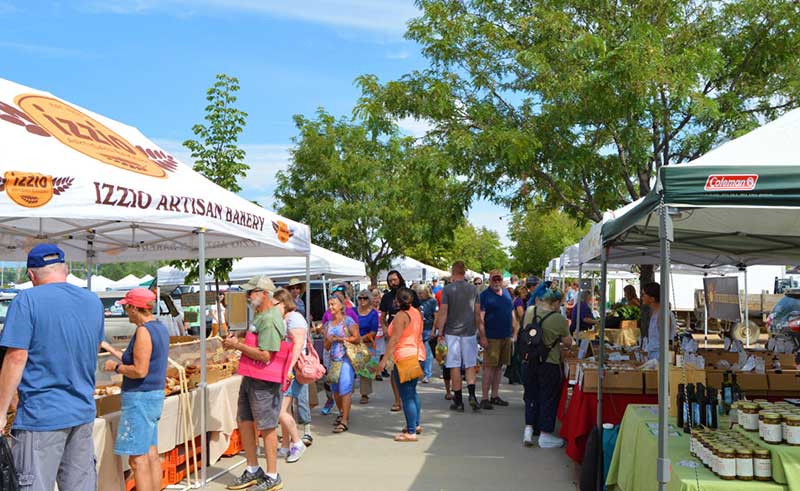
[531, 339]
[308, 368]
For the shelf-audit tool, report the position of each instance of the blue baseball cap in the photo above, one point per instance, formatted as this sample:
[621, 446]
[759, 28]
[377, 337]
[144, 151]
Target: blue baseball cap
[44, 254]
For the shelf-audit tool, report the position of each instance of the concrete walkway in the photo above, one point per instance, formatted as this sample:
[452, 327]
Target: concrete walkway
[457, 451]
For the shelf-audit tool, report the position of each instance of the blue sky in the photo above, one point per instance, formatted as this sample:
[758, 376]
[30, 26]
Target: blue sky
[148, 63]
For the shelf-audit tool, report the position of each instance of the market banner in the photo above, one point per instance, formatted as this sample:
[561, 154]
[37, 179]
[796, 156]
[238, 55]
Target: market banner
[101, 189]
[722, 298]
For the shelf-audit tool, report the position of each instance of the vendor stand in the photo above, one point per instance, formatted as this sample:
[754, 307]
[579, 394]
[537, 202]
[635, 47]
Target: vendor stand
[737, 205]
[105, 193]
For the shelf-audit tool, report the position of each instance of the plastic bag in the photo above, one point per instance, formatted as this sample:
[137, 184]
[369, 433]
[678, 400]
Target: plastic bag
[8, 473]
[441, 352]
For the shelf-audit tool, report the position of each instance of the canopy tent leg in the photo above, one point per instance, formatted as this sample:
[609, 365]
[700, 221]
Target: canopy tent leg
[601, 366]
[308, 289]
[746, 310]
[89, 260]
[201, 258]
[324, 292]
[705, 320]
[663, 464]
[578, 301]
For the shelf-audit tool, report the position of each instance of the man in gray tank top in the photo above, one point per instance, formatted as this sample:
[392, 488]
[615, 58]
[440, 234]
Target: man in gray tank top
[457, 325]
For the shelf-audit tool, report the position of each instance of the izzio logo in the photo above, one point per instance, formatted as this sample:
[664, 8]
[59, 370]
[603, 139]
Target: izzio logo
[731, 182]
[46, 116]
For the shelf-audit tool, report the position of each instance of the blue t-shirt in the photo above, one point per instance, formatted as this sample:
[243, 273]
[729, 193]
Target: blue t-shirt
[61, 327]
[157, 371]
[428, 310]
[498, 310]
[300, 306]
[436, 289]
[368, 323]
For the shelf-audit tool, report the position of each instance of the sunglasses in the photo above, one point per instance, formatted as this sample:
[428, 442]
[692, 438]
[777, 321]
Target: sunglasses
[295, 287]
[497, 278]
[363, 298]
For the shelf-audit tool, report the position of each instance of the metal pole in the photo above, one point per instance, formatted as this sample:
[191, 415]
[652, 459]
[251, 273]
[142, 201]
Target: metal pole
[705, 318]
[308, 288]
[89, 260]
[578, 303]
[601, 367]
[746, 310]
[202, 388]
[324, 293]
[663, 464]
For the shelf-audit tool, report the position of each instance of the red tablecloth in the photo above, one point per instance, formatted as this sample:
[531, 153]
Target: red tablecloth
[580, 416]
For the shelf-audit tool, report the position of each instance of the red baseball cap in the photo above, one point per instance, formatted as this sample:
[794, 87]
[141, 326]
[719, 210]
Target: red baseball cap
[139, 297]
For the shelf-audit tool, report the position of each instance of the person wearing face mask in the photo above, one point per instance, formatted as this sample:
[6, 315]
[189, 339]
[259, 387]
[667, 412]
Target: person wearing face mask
[494, 314]
[259, 400]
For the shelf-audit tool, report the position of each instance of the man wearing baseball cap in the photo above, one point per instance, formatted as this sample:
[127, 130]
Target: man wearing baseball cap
[260, 401]
[52, 333]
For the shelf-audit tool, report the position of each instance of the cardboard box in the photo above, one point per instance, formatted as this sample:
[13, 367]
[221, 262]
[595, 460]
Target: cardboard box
[108, 404]
[784, 384]
[629, 325]
[615, 381]
[752, 384]
[714, 356]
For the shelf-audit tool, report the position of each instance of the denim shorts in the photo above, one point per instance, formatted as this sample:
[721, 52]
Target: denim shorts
[138, 424]
[294, 390]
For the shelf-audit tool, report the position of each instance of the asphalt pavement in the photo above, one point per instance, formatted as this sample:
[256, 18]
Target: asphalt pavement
[456, 451]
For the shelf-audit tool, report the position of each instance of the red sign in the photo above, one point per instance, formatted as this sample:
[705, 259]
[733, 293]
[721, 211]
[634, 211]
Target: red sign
[731, 182]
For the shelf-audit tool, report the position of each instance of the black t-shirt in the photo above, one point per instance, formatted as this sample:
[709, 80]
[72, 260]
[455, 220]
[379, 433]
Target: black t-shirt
[389, 304]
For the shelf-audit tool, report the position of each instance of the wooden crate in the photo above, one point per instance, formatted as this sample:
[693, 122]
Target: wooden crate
[615, 381]
[784, 384]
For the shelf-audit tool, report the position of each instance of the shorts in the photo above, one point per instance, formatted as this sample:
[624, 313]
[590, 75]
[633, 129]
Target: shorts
[260, 402]
[138, 422]
[462, 351]
[294, 390]
[346, 379]
[498, 353]
[66, 456]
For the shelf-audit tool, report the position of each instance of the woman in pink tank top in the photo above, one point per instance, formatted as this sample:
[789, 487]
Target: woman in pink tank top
[405, 341]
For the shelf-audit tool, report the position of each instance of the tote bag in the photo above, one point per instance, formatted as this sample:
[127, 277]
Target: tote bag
[273, 371]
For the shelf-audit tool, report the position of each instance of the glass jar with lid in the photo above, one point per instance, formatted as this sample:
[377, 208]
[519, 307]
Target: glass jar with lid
[772, 432]
[792, 431]
[762, 464]
[727, 463]
[748, 416]
[744, 464]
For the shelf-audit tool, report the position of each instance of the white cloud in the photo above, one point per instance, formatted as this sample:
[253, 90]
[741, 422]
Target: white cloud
[41, 50]
[397, 55]
[415, 127]
[372, 15]
[486, 214]
[264, 159]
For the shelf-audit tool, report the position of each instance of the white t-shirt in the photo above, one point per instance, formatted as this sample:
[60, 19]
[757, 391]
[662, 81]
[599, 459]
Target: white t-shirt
[294, 322]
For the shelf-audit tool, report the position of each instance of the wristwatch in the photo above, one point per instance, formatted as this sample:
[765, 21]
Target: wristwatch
[116, 368]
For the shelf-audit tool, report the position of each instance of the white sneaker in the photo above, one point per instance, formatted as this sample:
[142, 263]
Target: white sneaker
[549, 440]
[295, 452]
[527, 437]
[283, 452]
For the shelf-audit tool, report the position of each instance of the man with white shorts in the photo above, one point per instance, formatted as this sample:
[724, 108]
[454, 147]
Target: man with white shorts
[456, 324]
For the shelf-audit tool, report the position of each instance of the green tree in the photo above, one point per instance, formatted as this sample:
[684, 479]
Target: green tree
[540, 236]
[218, 157]
[366, 191]
[479, 248]
[580, 102]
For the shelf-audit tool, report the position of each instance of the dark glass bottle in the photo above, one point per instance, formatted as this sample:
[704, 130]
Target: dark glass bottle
[736, 391]
[699, 406]
[690, 399]
[681, 405]
[711, 409]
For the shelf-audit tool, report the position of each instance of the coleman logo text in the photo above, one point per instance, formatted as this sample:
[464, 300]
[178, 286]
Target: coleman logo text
[731, 182]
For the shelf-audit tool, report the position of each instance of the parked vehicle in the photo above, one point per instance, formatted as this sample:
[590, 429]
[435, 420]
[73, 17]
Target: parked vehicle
[118, 330]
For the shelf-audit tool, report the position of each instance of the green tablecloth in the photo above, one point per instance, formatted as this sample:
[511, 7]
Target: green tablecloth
[633, 466]
[785, 460]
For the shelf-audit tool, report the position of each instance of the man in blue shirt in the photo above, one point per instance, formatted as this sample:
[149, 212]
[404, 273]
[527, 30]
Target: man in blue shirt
[435, 286]
[498, 330]
[52, 333]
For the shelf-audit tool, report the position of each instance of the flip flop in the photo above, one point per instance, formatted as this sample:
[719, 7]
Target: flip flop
[364, 400]
[405, 438]
[395, 408]
[418, 432]
[340, 428]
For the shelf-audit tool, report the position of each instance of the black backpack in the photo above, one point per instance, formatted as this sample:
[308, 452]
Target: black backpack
[532, 347]
[8, 474]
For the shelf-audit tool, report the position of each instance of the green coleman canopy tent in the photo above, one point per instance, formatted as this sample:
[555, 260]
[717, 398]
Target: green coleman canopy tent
[736, 205]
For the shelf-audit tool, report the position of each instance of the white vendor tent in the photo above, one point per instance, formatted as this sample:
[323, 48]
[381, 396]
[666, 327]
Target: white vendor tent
[323, 263]
[101, 283]
[129, 281]
[71, 279]
[413, 270]
[105, 193]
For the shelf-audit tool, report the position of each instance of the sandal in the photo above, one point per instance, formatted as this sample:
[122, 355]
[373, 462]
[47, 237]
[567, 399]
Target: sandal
[364, 400]
[340, 428]
[418, 432]
[405, 437]
[395, 408]
[337, 420]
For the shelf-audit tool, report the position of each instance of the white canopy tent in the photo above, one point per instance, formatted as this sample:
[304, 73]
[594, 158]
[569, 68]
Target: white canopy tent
[413, 270]
[323, 264]
[71, 279]
[128, 281]
[101, 283]
[105, 193]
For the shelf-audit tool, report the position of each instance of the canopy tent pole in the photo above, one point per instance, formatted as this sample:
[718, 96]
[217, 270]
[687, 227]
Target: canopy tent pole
[663, 464]
[578, 302]
[705, 318]
[308, 288]
[89, 260]
[201, 258]
[746, 310]
[601, 366]
[324, 293]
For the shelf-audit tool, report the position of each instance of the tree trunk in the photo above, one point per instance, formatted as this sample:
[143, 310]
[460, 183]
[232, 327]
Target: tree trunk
[373, 279]
[647, 274]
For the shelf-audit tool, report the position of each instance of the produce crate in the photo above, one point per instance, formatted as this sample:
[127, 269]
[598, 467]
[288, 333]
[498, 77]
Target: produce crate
[177, 455]
[130, 481]
[235, 445]
[615, 381]
[178, 473]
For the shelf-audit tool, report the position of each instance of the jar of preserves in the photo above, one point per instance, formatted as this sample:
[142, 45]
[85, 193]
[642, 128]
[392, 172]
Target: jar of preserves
[727, 463]
[744, 464]
[772, 427]
[748, 416]
[792, 432]
[762, 464]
